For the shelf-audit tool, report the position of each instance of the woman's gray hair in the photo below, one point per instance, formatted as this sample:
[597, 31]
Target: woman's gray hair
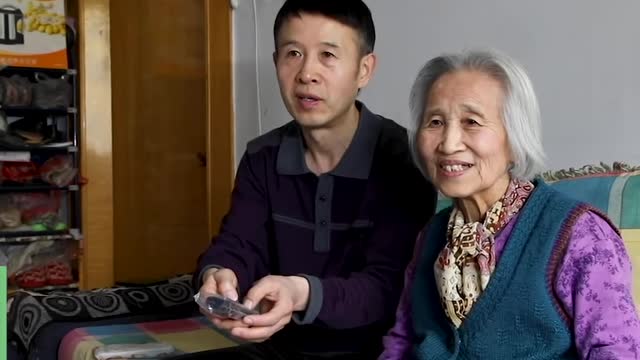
[520, 112]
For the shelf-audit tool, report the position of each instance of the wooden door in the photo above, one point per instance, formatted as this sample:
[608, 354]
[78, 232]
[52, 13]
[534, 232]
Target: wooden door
[159, 95]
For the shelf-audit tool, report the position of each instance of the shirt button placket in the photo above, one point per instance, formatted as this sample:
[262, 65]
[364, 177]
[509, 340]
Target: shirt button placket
[322, 236]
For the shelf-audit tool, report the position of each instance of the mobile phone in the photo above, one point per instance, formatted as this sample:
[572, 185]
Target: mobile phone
[227, 308]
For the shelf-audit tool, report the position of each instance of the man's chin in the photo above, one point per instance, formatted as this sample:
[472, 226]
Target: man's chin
[312, 122]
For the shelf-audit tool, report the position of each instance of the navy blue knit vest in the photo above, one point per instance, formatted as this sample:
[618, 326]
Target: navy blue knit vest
[517, 316]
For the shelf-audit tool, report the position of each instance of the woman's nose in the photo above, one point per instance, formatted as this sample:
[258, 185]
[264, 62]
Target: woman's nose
[451, 140]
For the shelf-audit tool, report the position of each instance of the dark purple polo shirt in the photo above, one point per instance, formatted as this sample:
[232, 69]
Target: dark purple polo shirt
[350, 232]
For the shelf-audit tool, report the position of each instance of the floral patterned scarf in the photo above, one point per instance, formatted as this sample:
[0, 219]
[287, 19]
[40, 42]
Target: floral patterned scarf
[465, 264]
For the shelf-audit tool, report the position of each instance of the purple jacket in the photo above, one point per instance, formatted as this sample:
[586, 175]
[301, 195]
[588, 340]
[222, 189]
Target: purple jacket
[593, 284]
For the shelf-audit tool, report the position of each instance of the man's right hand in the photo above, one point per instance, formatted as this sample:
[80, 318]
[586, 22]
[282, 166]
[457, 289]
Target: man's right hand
[220, 282]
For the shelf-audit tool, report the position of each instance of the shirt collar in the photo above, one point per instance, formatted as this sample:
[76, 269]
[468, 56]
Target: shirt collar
[356, 161]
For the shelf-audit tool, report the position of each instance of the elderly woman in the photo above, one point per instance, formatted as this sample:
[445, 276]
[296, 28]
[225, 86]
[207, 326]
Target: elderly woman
[514, 269]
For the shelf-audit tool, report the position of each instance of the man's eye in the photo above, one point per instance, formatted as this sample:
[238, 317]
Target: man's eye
[328, 54]
[293, 53]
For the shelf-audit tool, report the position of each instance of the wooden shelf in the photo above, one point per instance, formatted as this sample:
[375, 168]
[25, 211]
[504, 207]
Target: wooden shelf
[4, 188]
[52, 147]
[26, 71]
[26, 237]
[30, 110]
[11, 290]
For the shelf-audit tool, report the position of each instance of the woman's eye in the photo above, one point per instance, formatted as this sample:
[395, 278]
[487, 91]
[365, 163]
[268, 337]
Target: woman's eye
[328, 54]
[471, 122]
[434, 123]
[293, 53]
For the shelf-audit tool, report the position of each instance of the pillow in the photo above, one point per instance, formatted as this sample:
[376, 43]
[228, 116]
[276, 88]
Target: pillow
[29, 311]
[615, 190]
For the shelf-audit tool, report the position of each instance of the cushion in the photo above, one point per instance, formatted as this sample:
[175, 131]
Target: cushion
[30, 312]
[615, 190]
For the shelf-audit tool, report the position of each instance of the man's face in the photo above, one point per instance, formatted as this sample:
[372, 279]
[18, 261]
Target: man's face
[320, 69]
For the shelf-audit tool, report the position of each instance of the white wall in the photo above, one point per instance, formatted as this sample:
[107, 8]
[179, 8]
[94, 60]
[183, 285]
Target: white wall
[582, 56]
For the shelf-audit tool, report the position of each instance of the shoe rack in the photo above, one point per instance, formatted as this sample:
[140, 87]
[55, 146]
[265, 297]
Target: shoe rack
[40, 182]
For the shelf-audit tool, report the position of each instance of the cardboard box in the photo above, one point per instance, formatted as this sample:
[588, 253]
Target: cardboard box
[32, 33]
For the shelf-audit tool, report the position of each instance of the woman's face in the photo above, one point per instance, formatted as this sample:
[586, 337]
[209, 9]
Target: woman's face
[462, 140]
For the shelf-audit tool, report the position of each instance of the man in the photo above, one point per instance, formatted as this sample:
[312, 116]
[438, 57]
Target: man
[325, 209]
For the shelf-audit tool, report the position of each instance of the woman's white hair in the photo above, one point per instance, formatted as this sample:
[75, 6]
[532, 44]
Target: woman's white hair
[520, 112]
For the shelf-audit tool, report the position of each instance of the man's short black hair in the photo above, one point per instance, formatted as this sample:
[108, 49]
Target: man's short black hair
[352, 13]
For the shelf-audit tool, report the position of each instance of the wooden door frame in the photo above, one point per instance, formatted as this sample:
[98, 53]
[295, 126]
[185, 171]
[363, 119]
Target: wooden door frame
[220, 114]
[96, 148]
[96, 262]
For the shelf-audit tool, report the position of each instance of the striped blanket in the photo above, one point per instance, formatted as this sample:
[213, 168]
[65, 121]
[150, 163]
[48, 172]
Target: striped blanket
[183, 335]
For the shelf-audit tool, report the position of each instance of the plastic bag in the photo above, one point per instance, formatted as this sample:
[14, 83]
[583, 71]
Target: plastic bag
[58, 170]
[18, 172]
[39, 254]
[39, 264]
[15, 91]
[49, 93]
[10, 216]
[40, 210]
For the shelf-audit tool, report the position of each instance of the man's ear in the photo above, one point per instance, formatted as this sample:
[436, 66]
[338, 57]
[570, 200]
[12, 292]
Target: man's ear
[366, 69]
